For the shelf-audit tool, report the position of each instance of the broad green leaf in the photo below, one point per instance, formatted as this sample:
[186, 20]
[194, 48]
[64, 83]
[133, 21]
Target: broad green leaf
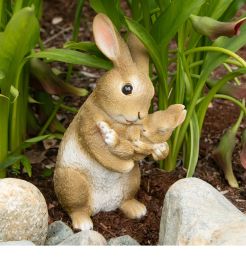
[15, 43]
[73, 57]
[231, 10]
[110, 8]
[83, 46]
[216, 8]
[2, 75]
[4, 13]
[168, 23]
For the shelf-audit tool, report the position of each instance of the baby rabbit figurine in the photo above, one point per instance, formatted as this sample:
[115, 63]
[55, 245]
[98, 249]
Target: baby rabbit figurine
[148, 138]
[89, 177]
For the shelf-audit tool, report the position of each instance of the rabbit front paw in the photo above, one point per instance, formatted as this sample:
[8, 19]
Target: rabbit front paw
[160, 151]
[109, 135]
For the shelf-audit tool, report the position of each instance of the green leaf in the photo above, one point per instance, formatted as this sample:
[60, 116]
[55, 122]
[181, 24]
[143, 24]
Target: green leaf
[110, 8]
[194, 144]
[19, 37]
[216, 8]
[27, 165]
[15, 159]
[73, 57]
[14, 93]
[2, 75]
[231, 10]
[213, 59]
[83, 46]
[12, 159]
[47, 172]
[77, 19]
[168, 23]
[38, 138]
[4, 119]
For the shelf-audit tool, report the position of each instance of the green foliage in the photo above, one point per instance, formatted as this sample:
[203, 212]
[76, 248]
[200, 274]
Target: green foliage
[179, 73]
[159, 25]
[15, 44]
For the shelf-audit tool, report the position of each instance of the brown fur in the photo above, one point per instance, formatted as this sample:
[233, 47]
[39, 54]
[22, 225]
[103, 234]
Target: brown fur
[74, 182]
[156, 128]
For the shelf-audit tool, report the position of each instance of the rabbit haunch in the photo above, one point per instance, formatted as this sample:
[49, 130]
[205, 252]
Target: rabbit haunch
[88, 176]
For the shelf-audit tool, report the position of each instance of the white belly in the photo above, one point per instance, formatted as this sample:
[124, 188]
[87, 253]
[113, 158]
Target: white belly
[107, 187]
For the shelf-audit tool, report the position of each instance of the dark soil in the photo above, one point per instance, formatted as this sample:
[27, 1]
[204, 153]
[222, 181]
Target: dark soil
[155, 182]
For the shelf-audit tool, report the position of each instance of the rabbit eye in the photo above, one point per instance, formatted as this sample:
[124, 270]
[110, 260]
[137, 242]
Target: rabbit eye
[127, 89]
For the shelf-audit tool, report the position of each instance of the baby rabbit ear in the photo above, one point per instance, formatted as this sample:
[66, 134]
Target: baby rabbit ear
[139, 53]
[109, 41]
[181, 117]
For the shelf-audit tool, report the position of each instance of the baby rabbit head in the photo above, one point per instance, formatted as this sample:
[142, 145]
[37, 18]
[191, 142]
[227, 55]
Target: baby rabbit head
[125, 92]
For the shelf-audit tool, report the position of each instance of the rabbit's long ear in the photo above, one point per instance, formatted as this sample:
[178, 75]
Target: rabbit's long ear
[139, 53]
[110, 42]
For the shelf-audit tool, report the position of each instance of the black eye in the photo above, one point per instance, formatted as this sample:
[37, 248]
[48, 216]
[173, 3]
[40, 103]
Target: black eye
[127, 89]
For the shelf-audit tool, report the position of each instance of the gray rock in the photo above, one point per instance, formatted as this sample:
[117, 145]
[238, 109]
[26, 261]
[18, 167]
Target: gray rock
[195, 213]
[17, 243]
[123, 240]
[23, 212]
[57, 232]
[87, 237]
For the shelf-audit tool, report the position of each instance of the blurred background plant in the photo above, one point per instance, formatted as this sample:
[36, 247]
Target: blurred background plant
[186, 44]
[20, 33]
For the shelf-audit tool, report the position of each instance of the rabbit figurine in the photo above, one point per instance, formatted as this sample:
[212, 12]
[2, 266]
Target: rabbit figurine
[88, 176]
[147, 138]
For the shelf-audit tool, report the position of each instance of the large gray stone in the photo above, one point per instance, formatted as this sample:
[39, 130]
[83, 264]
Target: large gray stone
[23, 212]
[87, 237]
[124, 240]
[195, 213]
[17, 243]
[57, 232]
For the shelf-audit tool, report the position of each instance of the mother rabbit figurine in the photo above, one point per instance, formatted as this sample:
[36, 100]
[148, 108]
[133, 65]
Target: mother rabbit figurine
[88, 177]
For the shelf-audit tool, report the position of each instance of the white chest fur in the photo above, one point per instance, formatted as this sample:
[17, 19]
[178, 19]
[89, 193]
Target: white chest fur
[107, 187]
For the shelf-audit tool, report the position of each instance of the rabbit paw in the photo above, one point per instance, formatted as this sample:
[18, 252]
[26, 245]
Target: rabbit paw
[82, 221]
[109, 135]
[133, 209]
[161, 151]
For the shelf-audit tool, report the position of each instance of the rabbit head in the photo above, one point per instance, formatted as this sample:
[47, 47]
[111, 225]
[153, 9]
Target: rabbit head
[158, 127]
[125, 92]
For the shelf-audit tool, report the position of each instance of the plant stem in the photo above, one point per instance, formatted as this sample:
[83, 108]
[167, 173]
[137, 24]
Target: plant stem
[232, 99]
[76, 26]
[217, 49]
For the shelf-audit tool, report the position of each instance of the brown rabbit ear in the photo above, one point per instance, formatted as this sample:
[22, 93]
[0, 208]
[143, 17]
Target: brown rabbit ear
[109, 41]
[139, 54]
